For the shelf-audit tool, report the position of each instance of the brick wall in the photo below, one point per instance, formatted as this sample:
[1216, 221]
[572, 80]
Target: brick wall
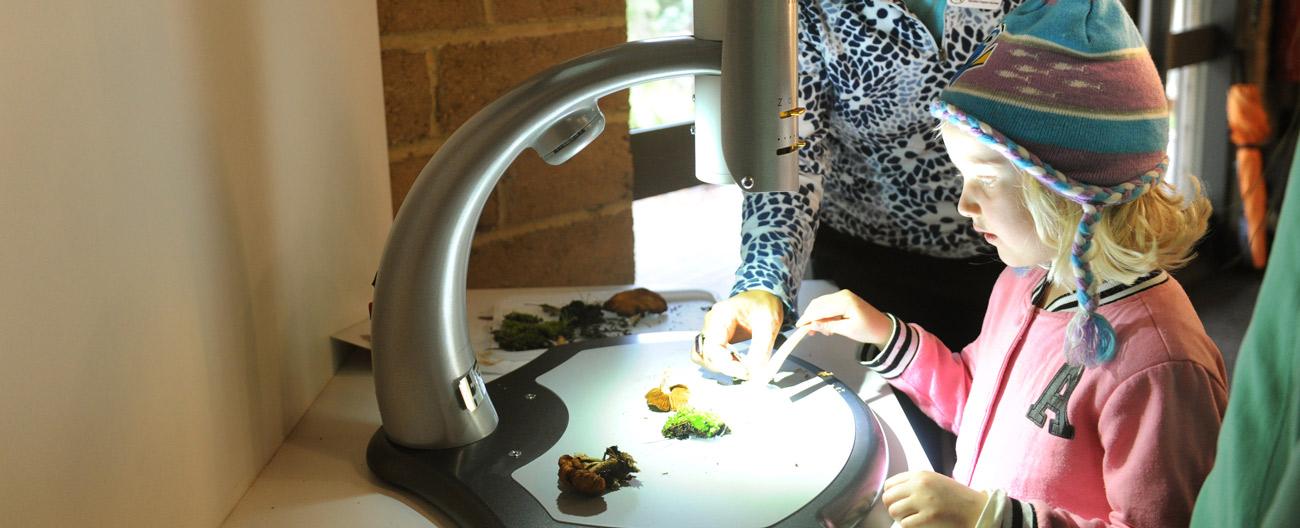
[443, 60]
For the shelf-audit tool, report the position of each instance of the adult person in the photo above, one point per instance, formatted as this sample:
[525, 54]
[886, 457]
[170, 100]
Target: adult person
[876, 207]
[1256, 477]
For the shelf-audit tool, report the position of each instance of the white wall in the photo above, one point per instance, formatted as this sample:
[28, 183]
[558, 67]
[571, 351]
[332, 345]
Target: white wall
[193, 196]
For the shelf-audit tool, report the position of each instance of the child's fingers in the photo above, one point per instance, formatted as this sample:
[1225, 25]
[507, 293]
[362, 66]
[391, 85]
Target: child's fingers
[898, 479]
[892, 495]
[811, 313]
[824, 307]
[903, 509]
[896, 488]
[834, 326]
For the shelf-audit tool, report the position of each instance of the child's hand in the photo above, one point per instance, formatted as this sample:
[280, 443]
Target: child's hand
[926, 498]
[845, 314]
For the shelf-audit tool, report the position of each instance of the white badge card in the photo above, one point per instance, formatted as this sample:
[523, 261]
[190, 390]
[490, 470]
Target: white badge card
[987, 5]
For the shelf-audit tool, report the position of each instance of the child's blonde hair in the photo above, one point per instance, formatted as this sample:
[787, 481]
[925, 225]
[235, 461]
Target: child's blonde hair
[1156, 231]
[1074, 82]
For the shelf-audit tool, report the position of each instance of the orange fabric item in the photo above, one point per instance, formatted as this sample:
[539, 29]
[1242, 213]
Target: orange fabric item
[1249, 124]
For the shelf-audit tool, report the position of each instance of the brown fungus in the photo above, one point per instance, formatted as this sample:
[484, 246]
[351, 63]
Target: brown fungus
[593, 477]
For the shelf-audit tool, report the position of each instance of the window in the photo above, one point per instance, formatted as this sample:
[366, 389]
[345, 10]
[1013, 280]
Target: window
[1198, 139]
[1185, 88]
[666, 102]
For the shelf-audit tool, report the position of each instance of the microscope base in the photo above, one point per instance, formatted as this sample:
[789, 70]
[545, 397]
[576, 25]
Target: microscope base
[500, 480]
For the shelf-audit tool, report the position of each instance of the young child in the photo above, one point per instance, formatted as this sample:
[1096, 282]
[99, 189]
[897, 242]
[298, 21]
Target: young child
[1092, 396]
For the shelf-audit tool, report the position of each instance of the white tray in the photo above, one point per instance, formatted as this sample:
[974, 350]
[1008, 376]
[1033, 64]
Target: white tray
[686, 308]
[685, 312]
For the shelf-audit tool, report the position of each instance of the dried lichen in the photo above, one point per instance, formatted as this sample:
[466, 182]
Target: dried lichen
[593, 477]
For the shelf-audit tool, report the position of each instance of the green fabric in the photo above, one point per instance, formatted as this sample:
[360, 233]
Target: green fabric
[1256, 476]
[931, 14]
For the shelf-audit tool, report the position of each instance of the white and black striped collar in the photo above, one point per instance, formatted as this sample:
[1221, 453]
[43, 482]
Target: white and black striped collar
[1109, 291]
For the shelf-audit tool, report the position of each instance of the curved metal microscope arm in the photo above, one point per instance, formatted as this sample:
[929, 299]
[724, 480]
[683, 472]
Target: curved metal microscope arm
[430, 394]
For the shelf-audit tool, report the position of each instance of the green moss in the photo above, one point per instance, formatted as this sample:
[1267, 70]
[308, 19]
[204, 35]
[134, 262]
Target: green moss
[691, 422]
[520, 331]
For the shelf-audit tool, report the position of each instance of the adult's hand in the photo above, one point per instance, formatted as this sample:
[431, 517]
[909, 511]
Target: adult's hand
[752, 314]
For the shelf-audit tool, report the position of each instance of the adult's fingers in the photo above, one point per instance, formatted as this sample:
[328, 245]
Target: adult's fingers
[717, 358]
[752, 314]
[720, 323]
[763, 326]
[723, 363]
[713, 351]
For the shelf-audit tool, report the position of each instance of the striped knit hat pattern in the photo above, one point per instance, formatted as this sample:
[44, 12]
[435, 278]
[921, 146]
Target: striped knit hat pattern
[1067, 91]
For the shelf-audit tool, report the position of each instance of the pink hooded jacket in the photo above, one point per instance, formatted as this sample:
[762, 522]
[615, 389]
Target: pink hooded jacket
[1137, 436]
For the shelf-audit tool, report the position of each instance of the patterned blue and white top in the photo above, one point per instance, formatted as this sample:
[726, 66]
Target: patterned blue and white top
[874, 167]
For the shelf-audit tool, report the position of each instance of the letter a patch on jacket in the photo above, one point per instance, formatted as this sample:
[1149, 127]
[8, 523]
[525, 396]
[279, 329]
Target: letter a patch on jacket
[1056, 398]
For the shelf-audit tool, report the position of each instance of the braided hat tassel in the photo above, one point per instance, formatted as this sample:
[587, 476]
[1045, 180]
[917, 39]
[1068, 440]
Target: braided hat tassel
[1089, 338]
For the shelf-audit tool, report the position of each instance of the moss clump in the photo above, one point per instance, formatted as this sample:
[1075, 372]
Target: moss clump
[587, 320]
[520, 331]
[689, 422]
[584, 318]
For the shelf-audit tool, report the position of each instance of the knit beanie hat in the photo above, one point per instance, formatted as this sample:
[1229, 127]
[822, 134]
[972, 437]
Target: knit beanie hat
[1067, 91]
